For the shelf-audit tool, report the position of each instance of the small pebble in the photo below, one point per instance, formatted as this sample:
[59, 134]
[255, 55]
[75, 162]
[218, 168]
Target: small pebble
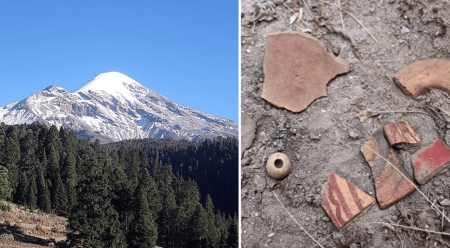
[405, 30]
[323, 110]
[371, 232]
[248, 51]
[436, 183]
[445, 202]
[353, 134]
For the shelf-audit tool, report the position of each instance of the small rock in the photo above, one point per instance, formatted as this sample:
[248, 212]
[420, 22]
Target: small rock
[314, 136]
[371, 231]
[248, 51]
[326, 219]
[445, 202]
[405, 30]
[337, 235]
[248, 130]
[430, 161]
[436, 183]
[353, 134]
[352, 245]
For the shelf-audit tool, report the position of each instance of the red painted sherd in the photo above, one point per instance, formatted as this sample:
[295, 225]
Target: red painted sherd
[343, 201]
[401, 134]
[431, 160]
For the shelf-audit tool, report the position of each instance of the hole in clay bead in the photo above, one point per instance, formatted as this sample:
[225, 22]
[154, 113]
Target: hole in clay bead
[278, 163]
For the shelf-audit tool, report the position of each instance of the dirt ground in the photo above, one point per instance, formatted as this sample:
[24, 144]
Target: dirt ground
[31, 227]
[327, 137]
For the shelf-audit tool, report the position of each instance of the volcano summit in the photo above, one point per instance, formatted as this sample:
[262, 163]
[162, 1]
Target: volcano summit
[114, 107]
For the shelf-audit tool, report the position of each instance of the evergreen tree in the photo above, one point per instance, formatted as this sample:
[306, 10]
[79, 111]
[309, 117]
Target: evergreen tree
[198, 228]
[93, 220]
[70, 179]
[233, 236]
[60, 201]
[5, 189]
[143, 232]
[180, 227]
[32, 193]
[28, 158]
[10, 158]
[43, 193]
[166, 216]
[148, 187]
[22, 188]
[213, 235]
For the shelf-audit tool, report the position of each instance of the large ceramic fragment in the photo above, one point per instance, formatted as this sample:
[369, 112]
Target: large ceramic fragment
[390, 185]
[343, 201]
[421, 76]
[297, 69]
[430, 161]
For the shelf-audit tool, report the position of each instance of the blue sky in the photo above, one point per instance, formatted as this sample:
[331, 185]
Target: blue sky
[184, 50]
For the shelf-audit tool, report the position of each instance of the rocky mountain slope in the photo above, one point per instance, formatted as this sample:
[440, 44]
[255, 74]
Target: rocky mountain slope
[115, 107]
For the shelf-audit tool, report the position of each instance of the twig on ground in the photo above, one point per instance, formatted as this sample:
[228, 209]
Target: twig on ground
[417, 188]
[366, 114]
[292, 217]
[288, 8]
[342, 49]
[340, 12]
[401, 241]
[354, 17]
[414, 228]
[307, 8]
[384, 36]
[343, 28]
[323, 239]
[445, 44]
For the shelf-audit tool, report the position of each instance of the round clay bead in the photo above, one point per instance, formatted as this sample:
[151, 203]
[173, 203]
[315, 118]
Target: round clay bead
[278, 165]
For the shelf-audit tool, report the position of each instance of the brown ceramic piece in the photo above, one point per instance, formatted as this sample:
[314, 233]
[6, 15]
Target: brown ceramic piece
[421, 76]
[297, 69]
[390, 185]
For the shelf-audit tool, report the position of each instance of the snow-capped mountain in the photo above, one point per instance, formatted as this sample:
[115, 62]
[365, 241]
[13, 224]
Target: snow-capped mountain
[115, 107]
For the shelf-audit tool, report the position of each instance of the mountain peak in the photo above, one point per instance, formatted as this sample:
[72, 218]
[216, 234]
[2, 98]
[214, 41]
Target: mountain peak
[113, 83]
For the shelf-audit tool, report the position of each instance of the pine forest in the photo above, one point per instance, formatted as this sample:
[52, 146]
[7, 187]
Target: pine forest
[134, 193]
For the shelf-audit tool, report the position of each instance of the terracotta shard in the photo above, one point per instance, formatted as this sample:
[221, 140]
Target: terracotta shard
[401, 134]
[297, 69]
[390, 185]
[431, 160]
[421, 76]
[343, 201]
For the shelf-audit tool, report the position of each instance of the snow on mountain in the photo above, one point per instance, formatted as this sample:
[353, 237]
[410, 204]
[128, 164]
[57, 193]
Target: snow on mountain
[115, 107]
